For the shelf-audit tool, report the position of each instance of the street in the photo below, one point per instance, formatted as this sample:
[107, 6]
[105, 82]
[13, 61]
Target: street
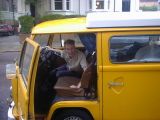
[9, 51]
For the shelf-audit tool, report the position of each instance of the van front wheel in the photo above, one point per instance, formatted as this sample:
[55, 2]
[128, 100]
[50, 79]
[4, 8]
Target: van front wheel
[72, 114]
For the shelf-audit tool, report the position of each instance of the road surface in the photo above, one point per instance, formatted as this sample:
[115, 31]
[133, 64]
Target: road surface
[9, 50]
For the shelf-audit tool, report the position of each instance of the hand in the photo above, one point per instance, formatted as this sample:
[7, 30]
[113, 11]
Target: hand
[76, 86]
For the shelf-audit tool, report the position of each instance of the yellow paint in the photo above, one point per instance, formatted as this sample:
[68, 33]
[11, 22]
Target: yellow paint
[136, 99]
[91, 106]
[137, 96]
[77, 25]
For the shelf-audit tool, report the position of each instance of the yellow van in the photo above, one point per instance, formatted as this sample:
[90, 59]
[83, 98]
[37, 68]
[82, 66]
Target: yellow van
[121, 81]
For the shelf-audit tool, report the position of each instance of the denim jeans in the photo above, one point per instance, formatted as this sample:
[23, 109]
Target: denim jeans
[64, 71]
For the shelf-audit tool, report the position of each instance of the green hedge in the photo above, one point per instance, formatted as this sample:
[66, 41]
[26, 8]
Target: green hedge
[27, 22]
[149, 8]
[50, 17]
[55, 17]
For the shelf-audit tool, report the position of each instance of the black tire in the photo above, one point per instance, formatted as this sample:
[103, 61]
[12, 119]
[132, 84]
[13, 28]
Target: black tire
[72, 114]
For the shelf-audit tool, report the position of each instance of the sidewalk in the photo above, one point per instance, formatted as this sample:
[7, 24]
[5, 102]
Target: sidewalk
[9, 44]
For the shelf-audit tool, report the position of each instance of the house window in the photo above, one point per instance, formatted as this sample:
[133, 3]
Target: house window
[99, 4]
[126, 5]
[67, 4]
[58, 4]
[61, 4]
[4, 5]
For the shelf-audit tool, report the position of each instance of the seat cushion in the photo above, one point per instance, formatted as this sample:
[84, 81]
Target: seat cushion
[63, 84]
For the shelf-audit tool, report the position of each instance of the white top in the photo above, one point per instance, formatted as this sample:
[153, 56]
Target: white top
[122, 19]
[77, 63]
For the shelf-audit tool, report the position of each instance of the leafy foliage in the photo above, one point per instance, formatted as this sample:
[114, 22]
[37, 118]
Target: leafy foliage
[51, 17]
[149, 8]
[27, 22]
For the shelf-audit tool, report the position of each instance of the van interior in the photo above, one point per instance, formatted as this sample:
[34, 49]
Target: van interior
[46, 92]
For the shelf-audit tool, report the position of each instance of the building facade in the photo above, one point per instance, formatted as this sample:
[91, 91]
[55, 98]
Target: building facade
[82, 7]
[65, 7]
[12, 9]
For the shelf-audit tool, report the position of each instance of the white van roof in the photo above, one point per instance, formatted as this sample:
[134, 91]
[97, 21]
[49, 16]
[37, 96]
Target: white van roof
[122, 19]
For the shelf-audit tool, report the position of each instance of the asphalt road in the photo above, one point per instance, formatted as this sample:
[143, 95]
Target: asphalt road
[9, 50]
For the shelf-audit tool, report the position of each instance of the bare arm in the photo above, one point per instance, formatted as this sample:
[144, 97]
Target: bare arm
[76, 86]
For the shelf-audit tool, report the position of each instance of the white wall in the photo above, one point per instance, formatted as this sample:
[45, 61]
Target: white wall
[22, 8]
[75, 6]
[41, 7]
[81, 7]
[134, 5]
[118, 5]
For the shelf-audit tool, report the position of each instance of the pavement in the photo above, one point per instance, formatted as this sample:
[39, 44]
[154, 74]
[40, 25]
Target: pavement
[9, 51]
[9, 44]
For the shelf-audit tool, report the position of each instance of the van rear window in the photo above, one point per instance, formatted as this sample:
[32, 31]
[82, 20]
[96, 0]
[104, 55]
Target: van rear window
[140, 48]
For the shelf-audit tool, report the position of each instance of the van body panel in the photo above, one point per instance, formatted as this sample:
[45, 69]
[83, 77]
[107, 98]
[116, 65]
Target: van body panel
[25, 78]
[91, 106]
[130, 90]
[125, 90]
[14, 83]
[99, 50]
[22, 99]
[78, 25]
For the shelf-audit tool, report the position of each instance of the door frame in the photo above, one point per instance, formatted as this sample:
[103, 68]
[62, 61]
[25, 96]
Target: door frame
[26, 89]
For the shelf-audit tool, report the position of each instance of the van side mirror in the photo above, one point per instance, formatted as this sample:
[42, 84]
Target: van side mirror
[10, 71]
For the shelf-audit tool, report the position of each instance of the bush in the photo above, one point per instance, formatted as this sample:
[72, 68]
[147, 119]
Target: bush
[50, 17]
[149, 8]
[73, 16]
[55, 17]
[27, 22]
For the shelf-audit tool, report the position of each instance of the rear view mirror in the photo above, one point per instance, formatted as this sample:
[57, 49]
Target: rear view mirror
[10, 71]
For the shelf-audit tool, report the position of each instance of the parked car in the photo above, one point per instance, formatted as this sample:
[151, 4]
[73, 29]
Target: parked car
[6, 29]
[121, 81]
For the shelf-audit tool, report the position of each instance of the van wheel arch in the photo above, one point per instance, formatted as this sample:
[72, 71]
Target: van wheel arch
[63, 113]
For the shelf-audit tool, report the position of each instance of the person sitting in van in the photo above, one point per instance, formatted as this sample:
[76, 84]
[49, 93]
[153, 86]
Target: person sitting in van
[151, 51]
[76, 63]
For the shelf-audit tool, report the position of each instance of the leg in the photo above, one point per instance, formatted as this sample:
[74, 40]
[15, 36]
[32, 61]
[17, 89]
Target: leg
[67, 73]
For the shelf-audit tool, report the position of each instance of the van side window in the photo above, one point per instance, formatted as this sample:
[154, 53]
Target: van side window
[25, 61]
[42, 39]
[132, 49]
[58, 40]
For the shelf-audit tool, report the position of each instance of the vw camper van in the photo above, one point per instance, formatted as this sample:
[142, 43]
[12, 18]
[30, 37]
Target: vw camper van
[121, 82]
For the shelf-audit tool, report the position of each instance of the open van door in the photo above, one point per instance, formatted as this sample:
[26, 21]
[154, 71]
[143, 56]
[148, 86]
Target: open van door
[26, 75]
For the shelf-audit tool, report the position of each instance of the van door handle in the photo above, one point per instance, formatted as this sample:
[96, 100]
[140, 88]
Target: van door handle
[115, 84]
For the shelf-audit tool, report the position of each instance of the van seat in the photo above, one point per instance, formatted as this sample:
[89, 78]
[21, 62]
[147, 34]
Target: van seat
[63, 84]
